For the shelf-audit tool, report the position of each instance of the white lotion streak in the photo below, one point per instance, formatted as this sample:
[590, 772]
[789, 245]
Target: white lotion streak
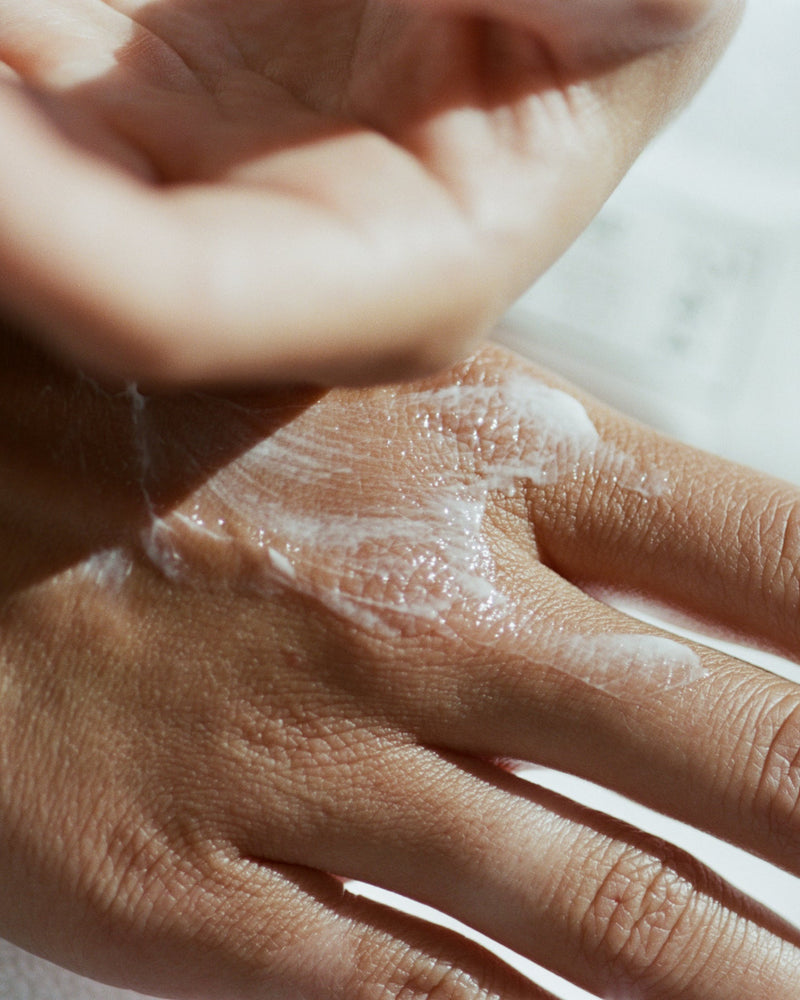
[372, 504]
[377, 510]
[608, 661]
[108, 569]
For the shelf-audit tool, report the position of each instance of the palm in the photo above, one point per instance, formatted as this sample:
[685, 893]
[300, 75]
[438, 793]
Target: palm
[371, 149]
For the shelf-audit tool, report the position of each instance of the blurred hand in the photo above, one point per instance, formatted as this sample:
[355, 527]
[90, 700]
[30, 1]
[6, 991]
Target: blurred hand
[329, 191]
[251, 646]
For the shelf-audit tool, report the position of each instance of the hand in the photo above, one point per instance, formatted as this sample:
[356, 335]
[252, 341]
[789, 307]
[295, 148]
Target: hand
[248, 642]
[326, 191]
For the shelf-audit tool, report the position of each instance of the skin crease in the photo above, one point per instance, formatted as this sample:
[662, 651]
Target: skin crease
[184, 756]
[280, 170]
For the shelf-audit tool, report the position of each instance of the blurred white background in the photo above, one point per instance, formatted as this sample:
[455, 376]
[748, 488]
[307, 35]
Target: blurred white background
[681, 304]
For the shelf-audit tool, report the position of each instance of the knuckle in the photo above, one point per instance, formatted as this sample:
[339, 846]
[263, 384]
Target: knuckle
[777, 759]
[641, 916]
[778, 537]
[436, 980]
[408, 972]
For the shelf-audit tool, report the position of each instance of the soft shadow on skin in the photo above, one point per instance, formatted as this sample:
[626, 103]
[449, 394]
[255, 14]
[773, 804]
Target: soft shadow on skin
[75, 457]
[176, 109]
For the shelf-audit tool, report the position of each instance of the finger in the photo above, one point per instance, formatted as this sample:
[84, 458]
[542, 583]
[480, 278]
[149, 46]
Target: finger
[232, 927]
[718, 542]
[241, 257]
[150, 306]
[686, 730]
[618, 913]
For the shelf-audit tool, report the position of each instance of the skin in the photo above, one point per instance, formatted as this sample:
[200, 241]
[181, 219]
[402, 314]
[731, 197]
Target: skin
[190, 767]
[339, 191]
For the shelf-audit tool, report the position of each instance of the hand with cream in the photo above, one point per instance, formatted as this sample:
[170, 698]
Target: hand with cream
[315, 190]
[254, 646]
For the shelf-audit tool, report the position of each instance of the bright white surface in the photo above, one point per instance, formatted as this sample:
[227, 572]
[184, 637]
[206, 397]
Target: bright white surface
[681, 304]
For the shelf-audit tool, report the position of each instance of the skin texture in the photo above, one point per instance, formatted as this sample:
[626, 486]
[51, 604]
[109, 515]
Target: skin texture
[192, 760]
[335, 191]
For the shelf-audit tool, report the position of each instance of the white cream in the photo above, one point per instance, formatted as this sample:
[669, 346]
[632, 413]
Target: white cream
[373, 504]
[607, 661]
[109, 568]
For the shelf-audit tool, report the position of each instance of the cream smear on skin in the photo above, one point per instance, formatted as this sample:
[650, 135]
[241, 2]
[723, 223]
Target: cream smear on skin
[373, 505]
